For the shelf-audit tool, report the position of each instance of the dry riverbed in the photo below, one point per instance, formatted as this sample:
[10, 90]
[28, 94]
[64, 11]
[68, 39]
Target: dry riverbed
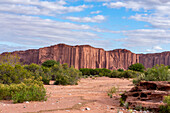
[90, 94]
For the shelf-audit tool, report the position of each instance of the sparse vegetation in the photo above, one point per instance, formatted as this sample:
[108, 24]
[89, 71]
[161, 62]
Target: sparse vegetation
[137, 67]
[120, 70]
[166, 108]
[111, 91]
[49, 63]
[97, 71]
[156, 73]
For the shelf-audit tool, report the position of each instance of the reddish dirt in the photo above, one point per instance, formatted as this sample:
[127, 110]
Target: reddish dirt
[91, 93]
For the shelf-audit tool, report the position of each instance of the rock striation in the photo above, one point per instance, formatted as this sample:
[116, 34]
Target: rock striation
[85, 56]
[147, 94]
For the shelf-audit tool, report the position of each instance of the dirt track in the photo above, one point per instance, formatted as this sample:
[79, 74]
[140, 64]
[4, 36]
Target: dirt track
[91, 93]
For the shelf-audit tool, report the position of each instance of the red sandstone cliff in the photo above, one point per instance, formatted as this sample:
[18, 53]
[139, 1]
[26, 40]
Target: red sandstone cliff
[85, 56]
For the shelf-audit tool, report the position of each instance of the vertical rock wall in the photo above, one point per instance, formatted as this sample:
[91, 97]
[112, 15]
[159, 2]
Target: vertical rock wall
[85, 56]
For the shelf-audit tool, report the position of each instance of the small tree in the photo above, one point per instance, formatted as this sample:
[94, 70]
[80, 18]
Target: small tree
[120, 70]
[137, 67]
[169, 67]
[157, 73]
[49, 63]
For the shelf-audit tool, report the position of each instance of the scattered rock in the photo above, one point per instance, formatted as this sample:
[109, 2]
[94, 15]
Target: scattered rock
[87, 109]
[79, 103]
[112, 108]
[120, 112]
[27, 102]
[147, 94]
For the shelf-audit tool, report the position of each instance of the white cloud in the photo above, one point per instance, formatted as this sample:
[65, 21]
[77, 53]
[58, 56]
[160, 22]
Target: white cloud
[97, 19]
[115, 4]
[145, 38]
[37, 7]
[159, 16]
[157, 21]
[28, 31]
[157, 48]
[154, 49]
[5, 48]
[95, 12]
[97, 0]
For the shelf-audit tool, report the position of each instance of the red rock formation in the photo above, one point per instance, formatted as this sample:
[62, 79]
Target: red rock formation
[85, 56]
[147, 94]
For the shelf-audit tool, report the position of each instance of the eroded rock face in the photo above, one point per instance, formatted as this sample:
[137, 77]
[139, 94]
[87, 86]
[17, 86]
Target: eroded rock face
[85, 56]
[148, 94]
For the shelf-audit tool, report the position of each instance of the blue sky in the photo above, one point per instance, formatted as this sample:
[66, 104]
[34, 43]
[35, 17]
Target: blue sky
[142, 26]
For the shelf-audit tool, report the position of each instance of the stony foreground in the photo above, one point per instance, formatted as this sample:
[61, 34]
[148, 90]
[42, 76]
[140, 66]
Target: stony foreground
[90, 94]
[148, 94]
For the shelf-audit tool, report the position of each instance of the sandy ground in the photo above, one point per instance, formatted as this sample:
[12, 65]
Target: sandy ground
[90, 93]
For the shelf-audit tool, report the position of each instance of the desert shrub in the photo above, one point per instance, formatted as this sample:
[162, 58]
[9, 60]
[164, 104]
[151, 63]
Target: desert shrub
[46, 75]
[49, 63]
[85, 71]
[129, 74]
[137, 67]
[156, 73]
[29, 90]
[39, 72]
[97, 71]
[96, 75]
[35, 70]
[12, 74]
[65, 66]
[111, 91]
[169, 67]
[56, 70]
[120, 70]
[165, 108]
[115, 74]
[91, 76]
[68, 76]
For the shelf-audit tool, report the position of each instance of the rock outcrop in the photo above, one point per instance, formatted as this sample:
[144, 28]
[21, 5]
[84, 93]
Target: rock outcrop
[85, 56]
[147, 94]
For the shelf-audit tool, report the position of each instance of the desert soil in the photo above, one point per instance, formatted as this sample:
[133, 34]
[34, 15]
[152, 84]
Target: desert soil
[90, 93]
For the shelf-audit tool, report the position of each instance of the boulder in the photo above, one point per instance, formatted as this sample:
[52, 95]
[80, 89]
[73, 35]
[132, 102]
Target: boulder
[147, 94]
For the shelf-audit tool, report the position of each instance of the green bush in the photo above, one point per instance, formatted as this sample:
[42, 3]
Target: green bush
[115, 74]
[68, 76]
[165, 108]
[120, 70]
[29, 90]
[169, 67]
[156, 73]
[85, 71]
[97, 71]
[13, 74]
[129, 74]
[40, 72]
[137, 67]
[46, 75]
[56, 70]
[49, 63]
